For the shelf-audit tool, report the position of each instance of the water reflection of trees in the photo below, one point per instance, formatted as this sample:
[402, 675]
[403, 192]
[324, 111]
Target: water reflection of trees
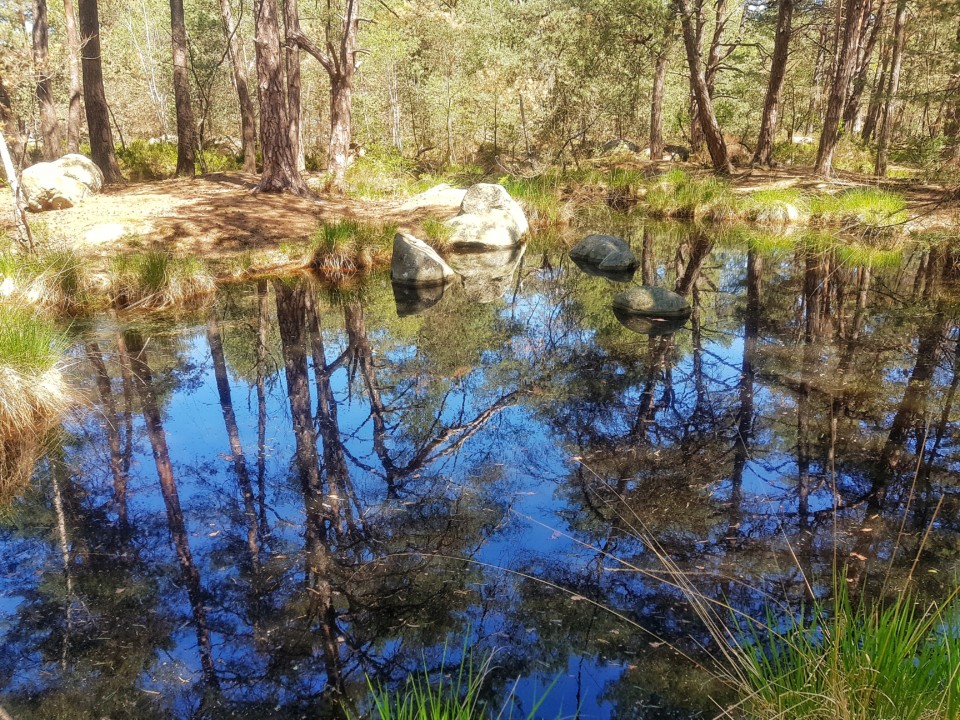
[360, 453]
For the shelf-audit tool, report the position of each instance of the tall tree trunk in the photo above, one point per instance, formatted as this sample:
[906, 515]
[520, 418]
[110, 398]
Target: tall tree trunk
[816, 92]
[778, 69]
[10, 127]
[94, 98]
[846, 59]
[851, 111]
[279, 165]
[896, 62]
[291, 24]
[339, 64]
[951, 121]
[876, 99]
[248, 123]
[186, 129]
[49, 125]
[76, 80]
[656, 98]
[708, 120]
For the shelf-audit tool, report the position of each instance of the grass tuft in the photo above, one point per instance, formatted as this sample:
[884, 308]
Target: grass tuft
[55, 279]
[776, 206]
[871, 209]
[158, 280]
[677, 195]
[346, 247]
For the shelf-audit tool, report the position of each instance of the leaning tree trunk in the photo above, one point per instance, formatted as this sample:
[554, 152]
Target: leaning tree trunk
[291, 24]
[896, 62]
[186, 129]
[49, 126]
[279, 165]
[656, 100]
[846, 59]
[94, 98]
[248, 123]
[708, 119]
[778, 69]
[76, 79]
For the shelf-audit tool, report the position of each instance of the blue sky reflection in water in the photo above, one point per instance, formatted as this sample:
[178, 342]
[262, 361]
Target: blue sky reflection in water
[264, 501]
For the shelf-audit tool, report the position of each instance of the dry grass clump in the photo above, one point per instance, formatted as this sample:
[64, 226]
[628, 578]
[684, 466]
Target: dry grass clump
[33, 390]
[348, 246]
[158, 280]
[53, 279]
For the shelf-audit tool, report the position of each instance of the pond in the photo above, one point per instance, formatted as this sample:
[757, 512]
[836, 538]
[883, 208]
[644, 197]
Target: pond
[260, 505]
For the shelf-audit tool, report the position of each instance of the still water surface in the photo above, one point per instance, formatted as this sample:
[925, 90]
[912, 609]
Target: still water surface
[266, 502]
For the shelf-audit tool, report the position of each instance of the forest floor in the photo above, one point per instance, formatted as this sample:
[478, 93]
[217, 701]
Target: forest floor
[218, 216]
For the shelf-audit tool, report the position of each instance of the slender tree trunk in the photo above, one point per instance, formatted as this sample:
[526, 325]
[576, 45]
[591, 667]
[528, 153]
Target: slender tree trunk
[708, 120]
[186, 129]
[846, 58]
[656, 99]
[49, 125]
[816, 92]
[10, 126]
[76, 79]
[248, 123]
[951, 121]
[279, 165]
[291, 23]
[94, 98]
[111, 426]
[341, 109]
[896, 62]
[778, 69]
[876, 99]
[851, 112]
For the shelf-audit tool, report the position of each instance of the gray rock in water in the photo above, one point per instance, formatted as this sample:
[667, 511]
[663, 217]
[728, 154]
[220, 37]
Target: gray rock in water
[606, 252]
[60, 184]
[652, 302]
[651, 325]
[416, 263]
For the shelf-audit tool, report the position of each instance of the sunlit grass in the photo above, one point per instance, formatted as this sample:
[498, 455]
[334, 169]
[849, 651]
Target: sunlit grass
[437, 235]
[775, 206]
[157, 280]
[678, 195]
[345, 247]
[541, 198]
[868, 208]
[55, 279]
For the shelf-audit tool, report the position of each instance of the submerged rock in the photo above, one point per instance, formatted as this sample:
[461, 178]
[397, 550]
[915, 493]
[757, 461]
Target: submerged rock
[414, 299]
[487, 275]
[650, 301]
[489, 218]
[60, 184]
[607, 253]
[416, 263]
[650, 324]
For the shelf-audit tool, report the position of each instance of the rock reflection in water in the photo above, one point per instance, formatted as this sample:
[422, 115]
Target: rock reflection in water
[486, 276]
[301, 488]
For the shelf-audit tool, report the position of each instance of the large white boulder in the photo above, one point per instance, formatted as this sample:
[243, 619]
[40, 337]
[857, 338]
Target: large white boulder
[489, 218]
[416, 263]
[60, 184]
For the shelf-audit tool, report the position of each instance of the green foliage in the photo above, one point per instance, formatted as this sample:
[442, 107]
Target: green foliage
[144, 160]
[57, 279]
[860, 661]
[870, 208]
[347, 246]
[774, 206]
[541, 197]
[791, 153]
[29, 343]
[158, 279]
[678, 195]
[453, 695]
[437, 235]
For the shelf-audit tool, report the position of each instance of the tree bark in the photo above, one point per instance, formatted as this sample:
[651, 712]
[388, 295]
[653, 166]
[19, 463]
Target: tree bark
[339, 64]
[708, 120]
[291, 24]
[896, 62]
[186, 130]
[49, 125]
[851, 111]
[279, 165]
[94, 98]
[778, 69]
[951, 124]
[76, 81]
[248, 122]
[846, 58]
[876, 99]
[656, 98]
